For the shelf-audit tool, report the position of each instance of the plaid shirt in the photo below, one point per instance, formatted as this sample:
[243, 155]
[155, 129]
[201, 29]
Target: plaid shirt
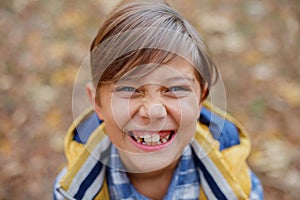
[184, 184]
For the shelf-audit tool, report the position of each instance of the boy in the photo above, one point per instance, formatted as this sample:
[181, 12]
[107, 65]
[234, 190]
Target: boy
[148, 135]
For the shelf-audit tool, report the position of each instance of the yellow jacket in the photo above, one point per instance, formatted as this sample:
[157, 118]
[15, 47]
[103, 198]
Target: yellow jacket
[221, 145]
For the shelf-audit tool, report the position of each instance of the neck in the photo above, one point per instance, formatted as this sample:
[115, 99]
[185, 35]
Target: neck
[154, 184]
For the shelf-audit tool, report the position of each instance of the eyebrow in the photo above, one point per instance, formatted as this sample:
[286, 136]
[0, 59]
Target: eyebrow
[180, 78]
[170, 79]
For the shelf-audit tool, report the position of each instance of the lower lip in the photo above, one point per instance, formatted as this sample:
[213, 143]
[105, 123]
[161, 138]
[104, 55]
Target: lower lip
[150, 148]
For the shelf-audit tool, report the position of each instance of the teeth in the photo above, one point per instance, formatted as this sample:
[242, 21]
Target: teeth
[164, 140]
[150, 140]
[147, 138]
[155, 138]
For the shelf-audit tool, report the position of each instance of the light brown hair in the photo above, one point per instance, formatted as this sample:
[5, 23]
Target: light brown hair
[137, 33]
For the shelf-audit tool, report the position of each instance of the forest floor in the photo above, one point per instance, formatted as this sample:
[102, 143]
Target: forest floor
[43, 43]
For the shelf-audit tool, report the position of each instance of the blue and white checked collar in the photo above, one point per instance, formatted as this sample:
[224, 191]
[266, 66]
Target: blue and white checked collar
[184, 185]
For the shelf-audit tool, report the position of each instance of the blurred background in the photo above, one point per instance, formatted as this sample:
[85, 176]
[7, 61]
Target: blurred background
[42, 44]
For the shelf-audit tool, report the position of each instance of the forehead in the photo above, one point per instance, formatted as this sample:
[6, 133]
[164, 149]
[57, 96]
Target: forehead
[174, 70]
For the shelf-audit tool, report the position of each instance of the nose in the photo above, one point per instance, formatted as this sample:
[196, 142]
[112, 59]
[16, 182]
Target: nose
[153, 111]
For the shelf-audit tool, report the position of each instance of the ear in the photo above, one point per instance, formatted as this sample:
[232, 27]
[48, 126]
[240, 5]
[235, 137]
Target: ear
[204, 93]
[91, 92]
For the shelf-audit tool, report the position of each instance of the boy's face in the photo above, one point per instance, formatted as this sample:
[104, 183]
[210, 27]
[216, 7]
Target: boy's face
[152, 118]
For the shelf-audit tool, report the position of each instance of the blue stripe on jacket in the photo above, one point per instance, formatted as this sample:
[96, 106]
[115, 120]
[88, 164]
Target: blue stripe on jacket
[94, 173]
[88, 180]
[209, 179]
[222, 130]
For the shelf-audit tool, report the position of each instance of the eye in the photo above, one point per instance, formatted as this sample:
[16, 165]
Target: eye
[177, 89]
[127, 92]
[125, 89]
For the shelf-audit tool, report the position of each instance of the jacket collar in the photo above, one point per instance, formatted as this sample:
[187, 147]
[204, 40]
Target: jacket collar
[86, 169]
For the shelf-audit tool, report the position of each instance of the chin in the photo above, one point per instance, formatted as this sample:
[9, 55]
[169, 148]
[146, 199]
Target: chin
[148, 162]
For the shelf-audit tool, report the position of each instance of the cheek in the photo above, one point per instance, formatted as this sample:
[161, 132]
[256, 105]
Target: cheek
[187, 126]
[189, 111]
[120, 110]
[188, 123]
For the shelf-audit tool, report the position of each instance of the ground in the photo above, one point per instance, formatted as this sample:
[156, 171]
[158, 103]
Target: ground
[43, 44]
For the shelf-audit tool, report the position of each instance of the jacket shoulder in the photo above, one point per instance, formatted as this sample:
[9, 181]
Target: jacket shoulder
[233, 144]
[79, 133]
[221, 125]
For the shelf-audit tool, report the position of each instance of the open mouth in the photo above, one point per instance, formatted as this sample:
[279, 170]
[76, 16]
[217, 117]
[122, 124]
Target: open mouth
[152, 139]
